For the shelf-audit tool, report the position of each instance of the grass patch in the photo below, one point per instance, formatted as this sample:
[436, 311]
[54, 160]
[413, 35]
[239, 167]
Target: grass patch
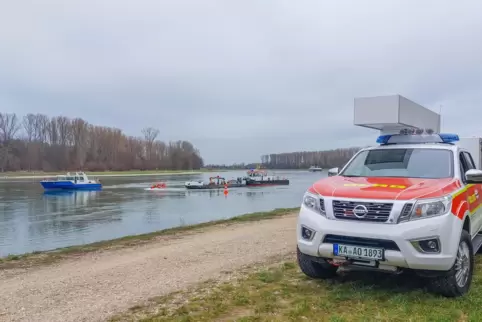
[283, 293]
[48, 257]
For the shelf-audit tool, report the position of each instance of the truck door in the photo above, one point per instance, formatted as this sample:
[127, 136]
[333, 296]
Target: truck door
[474, 193]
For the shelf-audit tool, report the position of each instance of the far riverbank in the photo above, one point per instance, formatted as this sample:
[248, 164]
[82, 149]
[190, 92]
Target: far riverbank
[130, 173]
[19, 175]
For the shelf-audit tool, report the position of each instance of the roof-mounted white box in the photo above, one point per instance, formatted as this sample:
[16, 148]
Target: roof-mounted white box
[390, 114]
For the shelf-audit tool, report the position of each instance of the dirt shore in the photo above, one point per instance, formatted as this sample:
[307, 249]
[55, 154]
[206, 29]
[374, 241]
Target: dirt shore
[98, 285]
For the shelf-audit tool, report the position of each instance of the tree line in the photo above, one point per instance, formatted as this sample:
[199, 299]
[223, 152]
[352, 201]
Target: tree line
[303, 160]
[37, 142]
[296, 160]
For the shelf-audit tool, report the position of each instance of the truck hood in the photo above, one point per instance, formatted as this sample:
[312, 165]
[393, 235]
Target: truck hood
[384, 188]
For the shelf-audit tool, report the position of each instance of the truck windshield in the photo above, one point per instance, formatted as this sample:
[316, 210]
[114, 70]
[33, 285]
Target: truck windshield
[406, 163]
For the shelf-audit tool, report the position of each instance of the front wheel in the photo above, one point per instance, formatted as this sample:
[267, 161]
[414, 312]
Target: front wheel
[458, 279]
[314, 269]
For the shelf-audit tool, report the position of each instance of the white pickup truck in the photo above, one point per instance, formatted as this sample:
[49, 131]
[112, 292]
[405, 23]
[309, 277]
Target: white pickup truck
[411, 203]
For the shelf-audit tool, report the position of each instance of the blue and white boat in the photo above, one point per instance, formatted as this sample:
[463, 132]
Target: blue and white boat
[76, 181]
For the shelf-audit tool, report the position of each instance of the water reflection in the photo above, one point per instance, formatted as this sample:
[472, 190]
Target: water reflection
[159, 194]
[70, 198]
[215, 193]
[62, 212]
[255, 194]
[7, 211]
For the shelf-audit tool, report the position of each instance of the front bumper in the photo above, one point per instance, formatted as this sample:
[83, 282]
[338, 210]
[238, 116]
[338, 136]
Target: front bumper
[395, 239]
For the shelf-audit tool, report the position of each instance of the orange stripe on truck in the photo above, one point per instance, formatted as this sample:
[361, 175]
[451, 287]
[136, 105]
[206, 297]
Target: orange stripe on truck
[466, 199]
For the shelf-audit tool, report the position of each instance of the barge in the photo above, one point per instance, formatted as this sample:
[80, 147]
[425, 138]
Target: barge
[215, 183]
[260, 177]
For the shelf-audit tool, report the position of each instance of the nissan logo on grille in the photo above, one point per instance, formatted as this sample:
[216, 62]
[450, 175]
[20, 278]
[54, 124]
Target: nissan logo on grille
[360, 211]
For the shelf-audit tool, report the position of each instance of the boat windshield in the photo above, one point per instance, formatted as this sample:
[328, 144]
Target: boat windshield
[404, 163]
[256, 173]
[68, 178]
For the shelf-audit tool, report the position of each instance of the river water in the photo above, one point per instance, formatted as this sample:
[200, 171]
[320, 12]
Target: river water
[32, 220]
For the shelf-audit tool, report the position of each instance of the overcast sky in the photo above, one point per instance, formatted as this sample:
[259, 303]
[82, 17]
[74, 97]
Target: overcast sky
[241, 78]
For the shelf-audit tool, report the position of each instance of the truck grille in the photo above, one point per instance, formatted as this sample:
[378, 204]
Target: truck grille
[377, 212]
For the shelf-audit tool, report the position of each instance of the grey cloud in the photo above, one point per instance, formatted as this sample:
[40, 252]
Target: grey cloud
[241, 78]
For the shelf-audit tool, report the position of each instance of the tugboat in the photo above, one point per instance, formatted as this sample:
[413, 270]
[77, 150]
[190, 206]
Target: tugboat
[315, 169]
[260, 177]
[215, 183]
[76, 181]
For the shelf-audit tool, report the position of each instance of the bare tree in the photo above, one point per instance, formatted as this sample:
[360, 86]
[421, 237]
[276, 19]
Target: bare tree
[30, 126]
[80, 136]
[9, 127]
[41, 127]
[150, 135]
[52, 131]
[64, 130]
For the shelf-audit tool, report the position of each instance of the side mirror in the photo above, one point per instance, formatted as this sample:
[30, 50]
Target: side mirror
[474, 176]
[333, 172]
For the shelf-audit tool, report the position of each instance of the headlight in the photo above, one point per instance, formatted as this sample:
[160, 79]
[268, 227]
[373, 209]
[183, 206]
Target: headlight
[314, 202]
[429, 208]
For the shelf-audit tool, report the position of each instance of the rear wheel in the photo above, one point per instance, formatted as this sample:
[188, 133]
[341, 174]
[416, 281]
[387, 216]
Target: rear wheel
[458, 279]
[315, 269]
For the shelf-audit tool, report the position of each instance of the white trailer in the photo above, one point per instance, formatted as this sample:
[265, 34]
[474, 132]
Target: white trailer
[389, 114]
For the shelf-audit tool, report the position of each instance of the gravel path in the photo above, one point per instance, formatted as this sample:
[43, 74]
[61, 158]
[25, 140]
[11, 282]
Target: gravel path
[96, 286]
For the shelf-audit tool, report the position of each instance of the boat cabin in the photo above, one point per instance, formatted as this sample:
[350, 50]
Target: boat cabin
[217, 180]
[77, 177]
[257, 173]
[260, 175]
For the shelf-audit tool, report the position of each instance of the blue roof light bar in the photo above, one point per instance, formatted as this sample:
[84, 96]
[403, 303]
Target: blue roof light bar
[449, 138]
[417, 138]
[383, 139]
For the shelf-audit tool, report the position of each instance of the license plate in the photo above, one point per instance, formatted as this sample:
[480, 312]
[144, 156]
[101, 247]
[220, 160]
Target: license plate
[358, 252]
